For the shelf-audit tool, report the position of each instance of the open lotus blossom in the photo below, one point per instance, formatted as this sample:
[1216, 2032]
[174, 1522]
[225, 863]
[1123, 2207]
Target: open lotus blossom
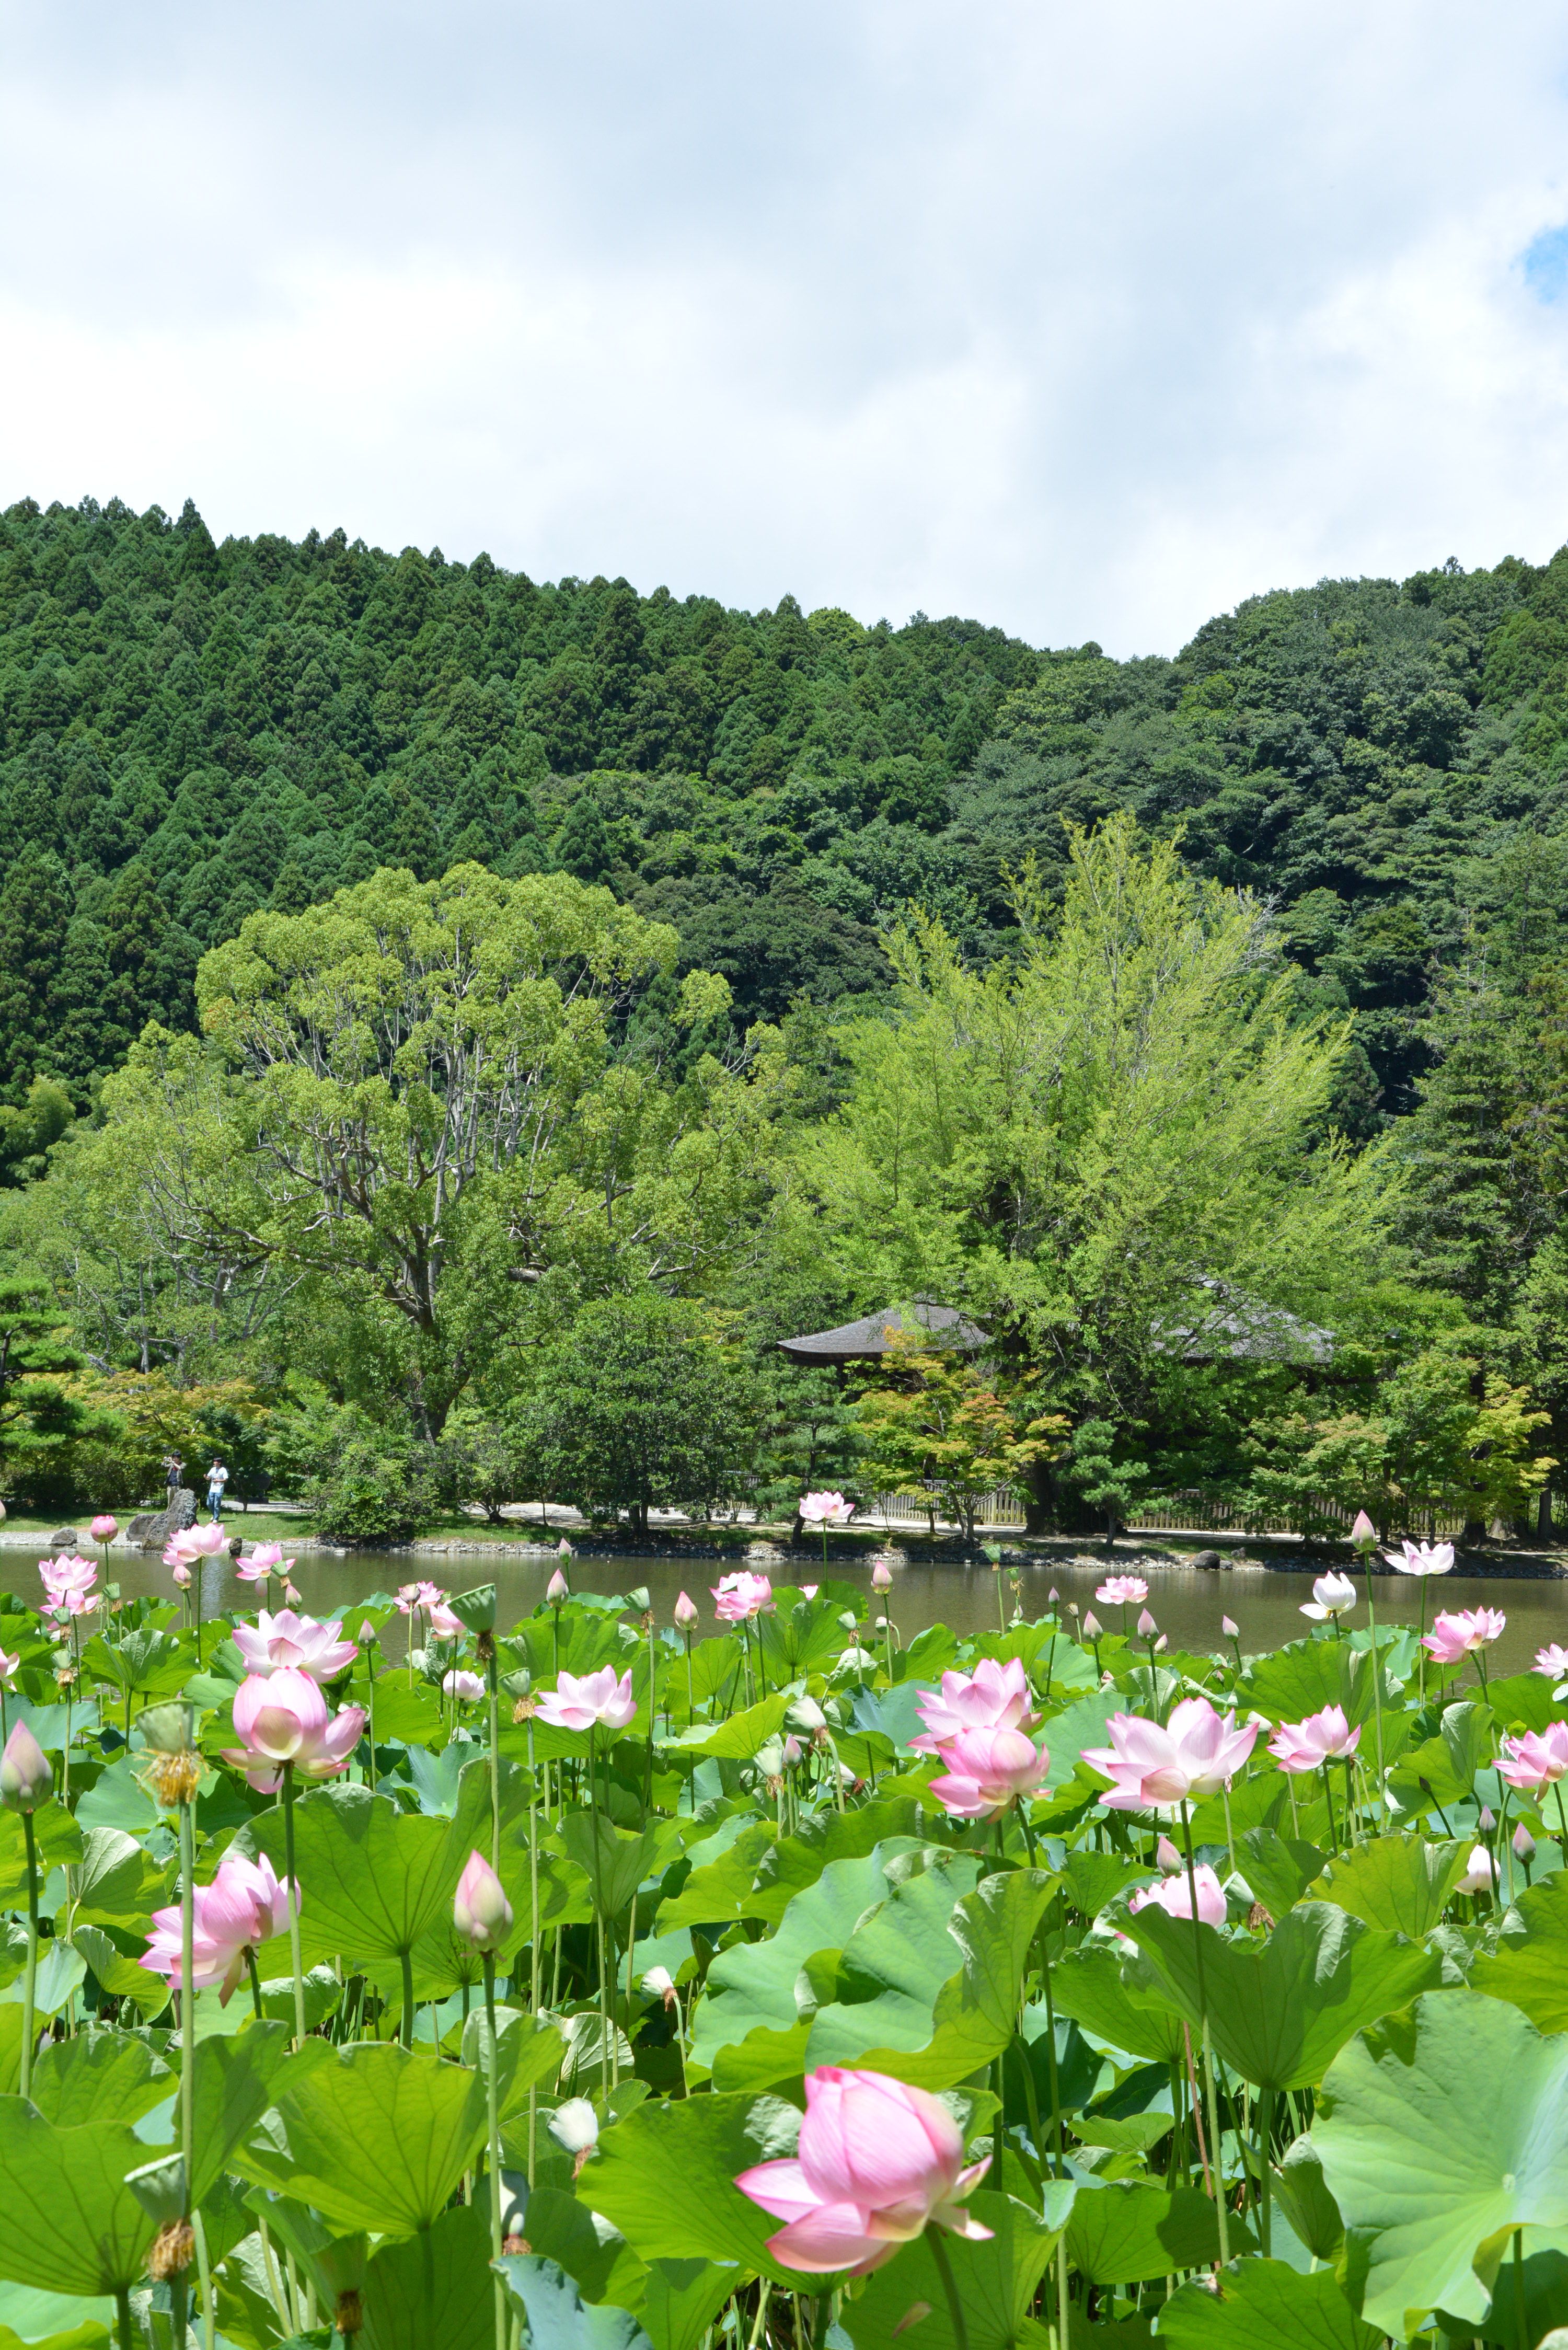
[985, 1770]
[1553, 1662]
[1325, 1737]
[1122, 1591]
[825, 1510]
[993, 1697]
[1537, 1759]
[61, 1576]
[685, 1613]
[463, 1686]
[877, 2161]
[104, 1529]
[740, 1597]
[79, 1603]
[443, 1623]
[286, 1638]
[244, 1905]
[1421, 1558]
[192, 1543]
[1173, 1894]
[282, 1717]
[1481, 1872]
[418, 1595]
[1457, 1636]
[480, 1909]
[580, 1704]
[1333, 1595]
[1193, 1755]
[267, 1559]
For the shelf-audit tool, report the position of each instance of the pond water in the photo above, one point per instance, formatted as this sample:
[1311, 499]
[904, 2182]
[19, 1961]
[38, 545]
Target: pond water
[1264, 1600]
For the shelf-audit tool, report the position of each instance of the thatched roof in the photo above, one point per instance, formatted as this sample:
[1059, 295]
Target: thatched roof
[868, 1341]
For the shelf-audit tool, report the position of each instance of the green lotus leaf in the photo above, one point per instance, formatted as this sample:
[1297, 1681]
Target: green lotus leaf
[892, 1971]
[789, 1864]
[1304, 1675]
[1120, 2001]
[558, 2317]
[1439, 2133]
[101, 2076]
[69, 2224]
[234, 2078]
[1524, 1701]
[614, 1861]
[1302, 2193]
[58, 1838]
[681, 2299]
[1132, 2229]
[1529, 1967]
[594, 2254]
[371, 2136]
[433, 2291]
[996, 2280]
[1261, 2305]
[1277, 1868]
[90, 2336]
[666, 2178]
[976, 2012]
[1090, 1879]
[372, 1879]
[1278, 2011]
[114, 1882]
[1399, 1884]
[719, 1890]
[121, 1975]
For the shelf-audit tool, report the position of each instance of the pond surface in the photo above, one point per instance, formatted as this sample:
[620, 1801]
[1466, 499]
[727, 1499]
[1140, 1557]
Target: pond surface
[1265, 1601]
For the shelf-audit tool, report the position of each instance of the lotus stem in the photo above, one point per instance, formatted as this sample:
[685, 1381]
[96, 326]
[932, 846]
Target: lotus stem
[1520, 2334]
[205, 2271]
[494, 1759]
[533, 1941]
[1208, 2048]
[1265, 2138]
[1050, 2059]
[945, 2270]
[1377, 1684]
[188, 2000]
[294, 1915]
[122, 2317]
[30, 1980]
[492, 2104]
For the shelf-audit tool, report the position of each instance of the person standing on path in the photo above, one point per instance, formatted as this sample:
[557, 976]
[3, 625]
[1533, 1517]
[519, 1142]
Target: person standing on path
[217, 1478]
[173, 1475]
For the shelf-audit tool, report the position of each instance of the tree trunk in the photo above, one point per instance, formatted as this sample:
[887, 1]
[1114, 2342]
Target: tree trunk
[1543, 1515]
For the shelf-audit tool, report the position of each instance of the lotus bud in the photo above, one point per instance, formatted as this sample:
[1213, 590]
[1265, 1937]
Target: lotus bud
[1072, 1607]
[881, 1577]
[1161, 1645]
[1230, 1627]
[26, 1778]
[556, 1590]
[1488, 1820]
[1170, 1859]
[182, 1575]
[791, 1754]
[1363, 1534]
[1523, 1843]
[367, 1634]
[848, 1620]
[480, 1909]
[1146, 1626]
[660, 1984]
[685, 1613]
[104, 1529]
[1091, 1626]
[1052, 1596]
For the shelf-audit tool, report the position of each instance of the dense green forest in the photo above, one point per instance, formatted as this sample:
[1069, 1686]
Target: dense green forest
[750, 860]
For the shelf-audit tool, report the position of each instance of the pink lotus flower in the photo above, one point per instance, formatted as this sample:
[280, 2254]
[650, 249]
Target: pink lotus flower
[267, 1559]
[1169, 1860]
[993, 1697]
[1523, 1843]
[881, 1577]
[1193, 1755]
[8, 1664]
[465, 1687]
[985, 1770]
[1537, 1760]
[480, 1909]
[738, 1598]
[1333, 1595]
[1480, 1873]
[1553, 1662]
[1091, 1625]
[79, 1603]
[1421, 1558]
[1229, 1628]
[809, 1590]
[419, 1595]
[825, 1510]
[443, 1624]
[1363, 1534]
[104, 1529]
[286, 1638]
[557, 1591]
[685, 1613]
[61, 1576]
[1325, 1737]
[283, 1717]
[193, 1542]
[580, 1704]
[1174, 1894]
[1457, 1636]
[1122, 1591]
[1146, 1626]
[244, 1905]
[27, 1777]
[180, 1574]
[877, 2161]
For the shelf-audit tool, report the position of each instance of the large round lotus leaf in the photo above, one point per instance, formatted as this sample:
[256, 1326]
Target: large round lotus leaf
[69, 2224]
[1399, 1884]
[1439, 2134]
[1133, 2229]
[372, 1878]
[1529, 1966]
[666, 2178]
[1279, 2011]
[558, 2317]
[1264, 2305]
[996, 2281]
[433, 2291]
[371, 2137]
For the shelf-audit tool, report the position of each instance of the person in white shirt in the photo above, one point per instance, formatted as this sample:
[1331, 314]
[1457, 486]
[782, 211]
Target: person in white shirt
[217, 1478]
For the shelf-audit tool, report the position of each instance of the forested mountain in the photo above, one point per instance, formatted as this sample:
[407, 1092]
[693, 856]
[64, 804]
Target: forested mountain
[189, 732]
[192, 735]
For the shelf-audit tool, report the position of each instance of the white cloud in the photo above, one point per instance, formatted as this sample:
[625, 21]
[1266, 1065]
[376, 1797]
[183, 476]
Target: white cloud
[1086, 323]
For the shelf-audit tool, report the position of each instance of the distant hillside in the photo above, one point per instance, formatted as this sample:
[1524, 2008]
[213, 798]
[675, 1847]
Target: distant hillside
[188, 732]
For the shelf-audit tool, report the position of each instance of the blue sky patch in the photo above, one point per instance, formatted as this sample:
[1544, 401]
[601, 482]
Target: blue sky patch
[1546, 265]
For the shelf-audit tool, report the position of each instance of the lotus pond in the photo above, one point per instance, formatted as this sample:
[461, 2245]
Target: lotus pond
[775, 1973]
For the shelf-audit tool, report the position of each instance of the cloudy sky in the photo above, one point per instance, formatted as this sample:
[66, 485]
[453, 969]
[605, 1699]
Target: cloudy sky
[1087, 322]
